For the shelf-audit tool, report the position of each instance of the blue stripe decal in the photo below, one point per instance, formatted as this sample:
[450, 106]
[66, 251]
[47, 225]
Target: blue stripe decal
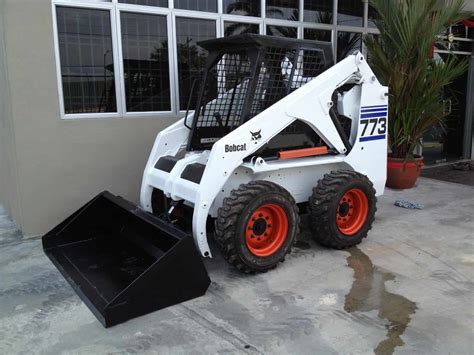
[376, 114]
[372, 138]
[376, 106]
[374, 109]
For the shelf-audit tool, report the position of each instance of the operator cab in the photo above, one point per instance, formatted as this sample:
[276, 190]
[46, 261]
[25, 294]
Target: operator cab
[246, 74]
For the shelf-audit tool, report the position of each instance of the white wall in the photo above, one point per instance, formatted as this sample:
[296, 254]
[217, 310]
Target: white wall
[60, 164]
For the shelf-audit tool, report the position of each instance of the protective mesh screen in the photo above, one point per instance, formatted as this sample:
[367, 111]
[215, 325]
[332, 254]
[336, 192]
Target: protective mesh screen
[225, 91]
[238, 88]
[283, 71]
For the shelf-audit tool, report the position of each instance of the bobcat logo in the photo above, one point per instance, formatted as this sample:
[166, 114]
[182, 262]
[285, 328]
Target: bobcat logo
[256, 135]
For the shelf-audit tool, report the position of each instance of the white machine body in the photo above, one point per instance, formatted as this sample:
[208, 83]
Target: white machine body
[225, 169]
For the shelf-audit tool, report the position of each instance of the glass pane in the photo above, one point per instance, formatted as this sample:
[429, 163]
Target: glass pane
[237, 28]
[244, 7]
[348, 43]
[283, 9]
[372, 15]
[197, 5]
[191, 57]
[87, 67]
[317, 35]
[318, 11]
[350, 13]
[161, 3]
[282, 31]
[145, 62]
[368, 55]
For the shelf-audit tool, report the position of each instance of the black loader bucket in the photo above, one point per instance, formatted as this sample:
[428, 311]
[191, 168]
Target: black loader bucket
[124, 262]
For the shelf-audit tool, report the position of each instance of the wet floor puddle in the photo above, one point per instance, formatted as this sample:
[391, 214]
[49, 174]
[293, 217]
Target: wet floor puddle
[368, 293]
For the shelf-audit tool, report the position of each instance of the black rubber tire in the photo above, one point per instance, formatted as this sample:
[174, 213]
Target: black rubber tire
[324, 202]
[232, 219]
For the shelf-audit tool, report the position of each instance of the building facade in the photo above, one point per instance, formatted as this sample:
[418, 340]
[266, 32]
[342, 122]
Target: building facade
[85, 85]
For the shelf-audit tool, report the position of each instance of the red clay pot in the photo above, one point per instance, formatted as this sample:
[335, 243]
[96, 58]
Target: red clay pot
[403, 175]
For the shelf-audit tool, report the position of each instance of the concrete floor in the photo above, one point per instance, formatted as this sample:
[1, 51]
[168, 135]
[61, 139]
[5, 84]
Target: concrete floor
[408, 288]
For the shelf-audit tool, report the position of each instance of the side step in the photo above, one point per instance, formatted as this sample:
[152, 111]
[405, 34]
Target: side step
[124, 262]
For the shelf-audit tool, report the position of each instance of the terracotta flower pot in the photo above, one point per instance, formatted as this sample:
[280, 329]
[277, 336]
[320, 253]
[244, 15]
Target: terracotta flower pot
[403, 176]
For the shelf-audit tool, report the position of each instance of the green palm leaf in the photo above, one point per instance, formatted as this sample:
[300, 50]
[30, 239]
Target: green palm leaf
[400, 58]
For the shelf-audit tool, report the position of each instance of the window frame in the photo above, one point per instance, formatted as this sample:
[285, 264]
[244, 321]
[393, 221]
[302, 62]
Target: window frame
[195, 15]
[115, 9]
[86, 5]
[152, 11]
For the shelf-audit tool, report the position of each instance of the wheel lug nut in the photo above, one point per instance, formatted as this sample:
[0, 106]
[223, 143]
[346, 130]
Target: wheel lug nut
[260, 215]
[265, 234]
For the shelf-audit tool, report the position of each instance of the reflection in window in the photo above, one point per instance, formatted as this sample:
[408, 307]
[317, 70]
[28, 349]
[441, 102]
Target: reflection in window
[372, 16]
[449, 39]
[243, 7]
[283, 9]
[318, 11]
[369, 54]
[350, 13]
[282, 31]
[348, 43]
[317, 35]
[87, 69]
[160, 3]
[197, 5]
[145, 62]
[237, 28]
[191, 57]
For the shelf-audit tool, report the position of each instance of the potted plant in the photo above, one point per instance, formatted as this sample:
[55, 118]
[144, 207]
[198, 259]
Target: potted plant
[401, 56]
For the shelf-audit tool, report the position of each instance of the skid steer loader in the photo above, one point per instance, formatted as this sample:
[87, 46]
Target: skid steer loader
[272, 126]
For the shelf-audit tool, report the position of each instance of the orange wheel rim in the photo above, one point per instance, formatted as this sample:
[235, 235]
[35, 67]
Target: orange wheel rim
[352, 212]
[266, 230]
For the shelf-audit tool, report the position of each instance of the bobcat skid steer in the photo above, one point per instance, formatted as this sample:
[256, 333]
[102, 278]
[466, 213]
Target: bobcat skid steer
[274, 125]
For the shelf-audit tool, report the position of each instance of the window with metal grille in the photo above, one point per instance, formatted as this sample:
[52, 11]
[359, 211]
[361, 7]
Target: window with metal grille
[320, 11]
[191, 58]
[350, 12]
[196, 5]
[282, 31]
[283, 9]
[87, 67]
[372, 17]
[238, 28]
[145, 62]
[161, 3]
[317, 35]
[242, 7]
